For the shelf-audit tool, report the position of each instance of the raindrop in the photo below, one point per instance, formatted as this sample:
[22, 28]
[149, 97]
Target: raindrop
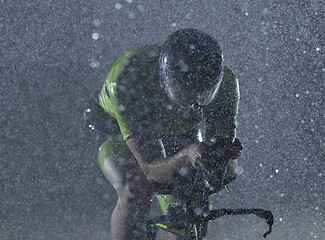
[96, 22]
[198, 211]
[276, 170]
[280, 219]
[174, 24]
[141, 8]
[246, 13]
[121, 108]
[118, 6]
[261, 165]
[239, 170]
[297, 39]
[297, 95]
[95, 36]
[183, 171]
[317, 49]
[94, 64]
[271, 176]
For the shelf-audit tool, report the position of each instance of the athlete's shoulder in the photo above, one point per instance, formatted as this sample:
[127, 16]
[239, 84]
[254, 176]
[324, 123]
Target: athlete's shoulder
[132, 60]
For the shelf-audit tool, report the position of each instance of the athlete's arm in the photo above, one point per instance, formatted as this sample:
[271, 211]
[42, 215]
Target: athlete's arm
[148, 149]
[150, 156]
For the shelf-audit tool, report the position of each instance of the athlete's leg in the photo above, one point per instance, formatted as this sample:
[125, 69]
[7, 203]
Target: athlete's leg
[134, 195]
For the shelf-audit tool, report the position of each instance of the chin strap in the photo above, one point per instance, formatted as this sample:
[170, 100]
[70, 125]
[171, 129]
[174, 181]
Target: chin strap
[267, 215]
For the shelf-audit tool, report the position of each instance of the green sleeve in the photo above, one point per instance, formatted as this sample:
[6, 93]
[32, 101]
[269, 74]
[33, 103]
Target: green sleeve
[108, 98]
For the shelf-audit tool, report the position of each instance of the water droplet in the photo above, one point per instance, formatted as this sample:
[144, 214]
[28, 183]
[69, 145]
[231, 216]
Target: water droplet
[183, 171]
[317, 49]
[276, 170]
[174, 24]
[246, 13]
[94, 64]
[198, 211]
[297, 95]
[96, 22]
[121, 108]
[239, 170]
[140, 8]
[118, 6]
[95, 36]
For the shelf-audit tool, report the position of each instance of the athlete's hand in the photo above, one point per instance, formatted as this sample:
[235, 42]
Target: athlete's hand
[193, 154]
[215, 155]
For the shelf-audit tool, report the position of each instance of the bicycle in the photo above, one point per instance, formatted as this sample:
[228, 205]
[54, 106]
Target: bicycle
[186, 210]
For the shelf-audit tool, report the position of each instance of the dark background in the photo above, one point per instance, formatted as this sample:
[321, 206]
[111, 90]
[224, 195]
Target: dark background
[50, 65]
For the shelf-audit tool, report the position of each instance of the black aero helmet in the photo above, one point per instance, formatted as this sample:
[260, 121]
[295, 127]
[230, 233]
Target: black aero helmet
[191, 67]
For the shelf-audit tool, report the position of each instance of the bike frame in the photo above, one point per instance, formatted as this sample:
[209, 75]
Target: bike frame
[186, 212]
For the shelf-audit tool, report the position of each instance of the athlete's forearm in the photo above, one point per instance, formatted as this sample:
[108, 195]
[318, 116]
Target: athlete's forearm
[162, 169]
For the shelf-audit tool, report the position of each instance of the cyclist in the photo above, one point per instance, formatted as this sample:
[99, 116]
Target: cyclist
[174, 104]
